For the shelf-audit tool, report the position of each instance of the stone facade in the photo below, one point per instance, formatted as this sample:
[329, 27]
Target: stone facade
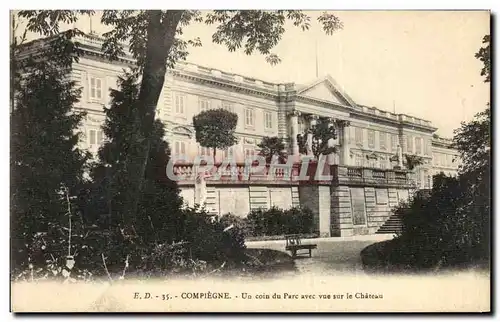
[367, 138]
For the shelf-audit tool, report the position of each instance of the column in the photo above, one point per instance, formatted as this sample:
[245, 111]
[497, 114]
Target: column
[344, 142]
[332, 157]
[312, 122]
[294, 120]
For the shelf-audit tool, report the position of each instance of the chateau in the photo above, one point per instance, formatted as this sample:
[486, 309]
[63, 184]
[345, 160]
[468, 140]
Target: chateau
[367, 185]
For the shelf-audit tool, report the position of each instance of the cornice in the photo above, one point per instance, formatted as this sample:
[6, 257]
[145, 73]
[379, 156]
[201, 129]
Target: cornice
[320, 102]
[372, 117]
[409, 125]
[90, 51]
[235, 86]
[397, 123]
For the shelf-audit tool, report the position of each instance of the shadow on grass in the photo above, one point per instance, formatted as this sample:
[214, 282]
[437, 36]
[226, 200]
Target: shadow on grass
[263, 263]
[378, 258]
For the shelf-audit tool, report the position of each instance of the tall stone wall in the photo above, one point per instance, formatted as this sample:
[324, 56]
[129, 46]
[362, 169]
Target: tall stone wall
[309, 197]
[362, 210]
[338, 210]
[240, 200]
[317, 199]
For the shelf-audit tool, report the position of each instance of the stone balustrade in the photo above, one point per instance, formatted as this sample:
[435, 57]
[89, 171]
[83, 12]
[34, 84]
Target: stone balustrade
[239, 173]
[297, 174]
[358, 176]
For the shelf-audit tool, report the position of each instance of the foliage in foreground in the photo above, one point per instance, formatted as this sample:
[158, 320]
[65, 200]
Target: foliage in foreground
[441, 229]
[164, 240]
[451, 226]
[105, 254]
[45, 162]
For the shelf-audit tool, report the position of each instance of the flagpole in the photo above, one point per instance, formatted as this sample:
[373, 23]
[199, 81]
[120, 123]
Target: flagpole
[317, 63]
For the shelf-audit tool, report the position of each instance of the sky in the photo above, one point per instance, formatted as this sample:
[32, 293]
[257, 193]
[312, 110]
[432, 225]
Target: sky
[414, 62]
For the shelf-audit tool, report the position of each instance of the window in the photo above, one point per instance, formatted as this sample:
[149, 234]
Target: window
[383, 139]
[228, 153]
[249, 117]
[428, 147]
[249, 151]
[179, 148]
[204, 104]
[95, 88]
[437, 158]
[409, 144]
[100, 137]
[371, 138]
[358, 135]
[394, 142]
[180, 104]
[268, 120]
[418, 145]
[385, 163]
[358, 161]
[205, 151]
[418, 179]
[228, 106]
[92, 137]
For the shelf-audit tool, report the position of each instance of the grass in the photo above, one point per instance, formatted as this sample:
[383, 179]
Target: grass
[262, 263]
[391, 257]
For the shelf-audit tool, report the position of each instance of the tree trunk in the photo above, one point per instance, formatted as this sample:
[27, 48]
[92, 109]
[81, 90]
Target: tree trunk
[160, 38]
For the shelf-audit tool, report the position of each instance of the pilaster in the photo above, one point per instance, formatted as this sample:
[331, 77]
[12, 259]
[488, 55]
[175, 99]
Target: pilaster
[341, 212]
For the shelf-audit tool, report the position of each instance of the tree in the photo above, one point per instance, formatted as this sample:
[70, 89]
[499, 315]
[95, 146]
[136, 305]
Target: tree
[473, 142]
[46, 164]
[322, 133]
[272, 146]
[215, 129]
[160, 201]
[155, 40]
[458, 209]
[484, 55]
[413, 161]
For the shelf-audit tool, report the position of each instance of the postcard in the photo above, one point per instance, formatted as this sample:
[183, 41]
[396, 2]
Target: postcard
[250, 161]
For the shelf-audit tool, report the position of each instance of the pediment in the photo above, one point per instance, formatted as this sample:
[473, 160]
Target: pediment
[324, 93]
[328, 90]
[182, 131]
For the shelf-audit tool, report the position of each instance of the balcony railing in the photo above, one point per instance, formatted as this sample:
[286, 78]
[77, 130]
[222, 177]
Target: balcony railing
[241, 173]
[373, 177]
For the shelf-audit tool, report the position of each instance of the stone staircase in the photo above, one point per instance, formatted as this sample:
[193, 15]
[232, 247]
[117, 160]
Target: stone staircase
[394, 224]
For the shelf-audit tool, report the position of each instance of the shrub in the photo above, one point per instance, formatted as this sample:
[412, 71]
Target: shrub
[298, 220]
[443, 228]
[208, 238]
[276, 221]
[202, 243]
[239, 230]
